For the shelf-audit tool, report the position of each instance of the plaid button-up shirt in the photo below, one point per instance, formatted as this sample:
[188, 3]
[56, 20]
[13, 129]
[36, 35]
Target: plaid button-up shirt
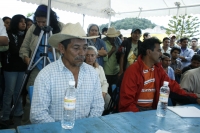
[49, 90]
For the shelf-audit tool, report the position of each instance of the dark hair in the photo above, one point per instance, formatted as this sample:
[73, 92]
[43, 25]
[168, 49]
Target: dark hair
[146, 34]
[148, 44]
[4, 18]
[28, 20]
[104, 29]
[14, 24]
[66, 42]
[90, 26]
[41, 11]
[164, 55]
[183, 39]
[175, 48]
[195, 39]
[196, 57]
[120, 36]
[165, 38]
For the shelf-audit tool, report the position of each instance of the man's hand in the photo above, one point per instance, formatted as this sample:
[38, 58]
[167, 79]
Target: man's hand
[119, 74]
[178, 71]
[102, 52]
[104, 94]
[182, 58]
[27, 60]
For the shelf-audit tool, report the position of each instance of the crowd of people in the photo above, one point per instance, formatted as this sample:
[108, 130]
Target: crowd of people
[95, 61]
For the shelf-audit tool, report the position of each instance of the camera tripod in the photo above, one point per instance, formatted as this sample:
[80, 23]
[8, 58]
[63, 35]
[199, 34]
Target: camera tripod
[46, 32]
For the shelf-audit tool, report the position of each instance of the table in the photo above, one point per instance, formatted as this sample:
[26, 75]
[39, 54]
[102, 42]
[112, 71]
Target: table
[148, 122]
[87, 125]
[127, 122]
[8, 131]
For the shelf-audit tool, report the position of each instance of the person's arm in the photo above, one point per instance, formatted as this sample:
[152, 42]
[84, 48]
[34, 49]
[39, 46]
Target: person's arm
[104, 83]
[188, 57]
[41, 100]
[176, 92]
[128, 92]
[97, 105]
[3, 41]
[3, 35]
[111, 51]
[175, 87]
[25, 49]
[103, 51]
[121, 64]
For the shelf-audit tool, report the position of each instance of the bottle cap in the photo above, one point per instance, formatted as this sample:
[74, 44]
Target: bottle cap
[166, 83]
[71, 82]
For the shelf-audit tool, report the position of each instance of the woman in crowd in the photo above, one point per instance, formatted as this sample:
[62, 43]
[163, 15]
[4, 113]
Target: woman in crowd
[14, 67]
[93, 30]
[6, 21]
[29, 46]
[29, 22]
[91, 60]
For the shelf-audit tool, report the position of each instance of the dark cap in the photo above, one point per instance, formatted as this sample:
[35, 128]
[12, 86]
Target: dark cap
[134, 29]
[42, 8]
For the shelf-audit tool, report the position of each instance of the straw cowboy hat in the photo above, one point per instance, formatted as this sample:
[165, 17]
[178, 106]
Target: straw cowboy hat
[69, 31]
[112, 32]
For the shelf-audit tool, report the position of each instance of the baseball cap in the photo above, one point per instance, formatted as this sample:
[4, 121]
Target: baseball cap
[134, 29]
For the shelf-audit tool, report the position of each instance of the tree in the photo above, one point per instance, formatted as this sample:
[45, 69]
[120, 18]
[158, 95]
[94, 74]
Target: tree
[29, 14]
[183, 26]
[129, 23]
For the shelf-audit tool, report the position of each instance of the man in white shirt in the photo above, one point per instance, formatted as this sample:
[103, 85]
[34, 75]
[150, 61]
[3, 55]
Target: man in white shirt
[3, 34]
[165, 48]
[3, 47]
[190, 81]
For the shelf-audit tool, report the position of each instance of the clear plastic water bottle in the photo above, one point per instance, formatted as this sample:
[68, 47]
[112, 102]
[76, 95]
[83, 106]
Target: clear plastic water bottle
[163, 100]
[68, 118]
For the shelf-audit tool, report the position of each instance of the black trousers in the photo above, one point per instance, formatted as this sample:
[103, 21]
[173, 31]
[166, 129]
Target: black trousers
[112, 79]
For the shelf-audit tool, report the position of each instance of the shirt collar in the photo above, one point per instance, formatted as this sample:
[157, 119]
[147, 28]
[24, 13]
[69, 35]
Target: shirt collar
[62, 67]
[146, 68]
[61, 64]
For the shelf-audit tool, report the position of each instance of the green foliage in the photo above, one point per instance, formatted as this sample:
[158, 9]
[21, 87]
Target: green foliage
[129, 23]
[29, 14]
[183, 26]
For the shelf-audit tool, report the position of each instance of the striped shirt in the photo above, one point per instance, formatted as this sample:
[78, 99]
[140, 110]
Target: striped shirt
[147, 93]
[49, 90]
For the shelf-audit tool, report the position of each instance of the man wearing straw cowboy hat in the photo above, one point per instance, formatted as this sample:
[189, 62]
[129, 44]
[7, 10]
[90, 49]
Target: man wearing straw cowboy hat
[52, 81]
[111, 67]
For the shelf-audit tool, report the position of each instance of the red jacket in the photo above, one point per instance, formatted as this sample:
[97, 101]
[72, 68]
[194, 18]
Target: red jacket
[133, 82]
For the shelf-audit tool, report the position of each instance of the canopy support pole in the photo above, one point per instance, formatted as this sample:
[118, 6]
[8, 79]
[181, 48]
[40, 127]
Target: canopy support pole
[83, 20]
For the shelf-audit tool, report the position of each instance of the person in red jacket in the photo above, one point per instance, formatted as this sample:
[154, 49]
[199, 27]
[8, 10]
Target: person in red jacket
[142, 81]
